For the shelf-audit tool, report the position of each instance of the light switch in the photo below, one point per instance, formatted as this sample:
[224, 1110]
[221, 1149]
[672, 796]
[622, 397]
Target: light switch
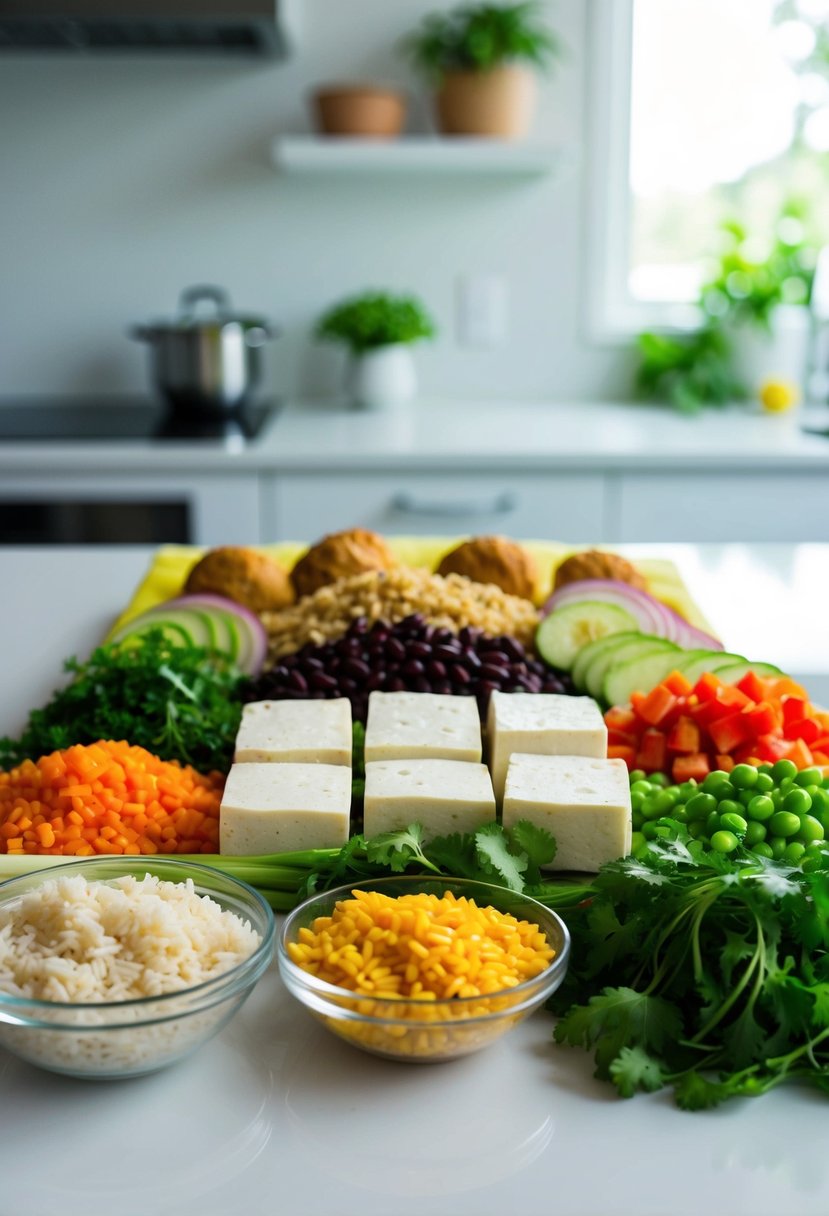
[482, 310]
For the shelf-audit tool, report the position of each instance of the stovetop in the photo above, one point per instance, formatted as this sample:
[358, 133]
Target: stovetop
[126, 421]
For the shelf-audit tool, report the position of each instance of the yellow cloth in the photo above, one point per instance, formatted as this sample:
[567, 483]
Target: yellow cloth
[170, 565]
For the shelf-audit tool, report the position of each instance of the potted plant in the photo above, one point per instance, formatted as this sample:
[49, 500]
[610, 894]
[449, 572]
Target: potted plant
[481, 59]
[378, 329]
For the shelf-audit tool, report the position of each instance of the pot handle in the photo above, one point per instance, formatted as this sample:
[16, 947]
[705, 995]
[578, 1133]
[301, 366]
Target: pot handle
[192, 296]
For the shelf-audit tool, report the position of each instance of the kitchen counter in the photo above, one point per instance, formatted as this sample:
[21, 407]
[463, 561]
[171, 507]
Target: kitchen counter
[434, 434]
[276, 1115]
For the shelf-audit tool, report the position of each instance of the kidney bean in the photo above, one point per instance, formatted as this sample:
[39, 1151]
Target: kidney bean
[297, 681]
[413, 668]
[436, 670]
[447, 652]
[459, 675]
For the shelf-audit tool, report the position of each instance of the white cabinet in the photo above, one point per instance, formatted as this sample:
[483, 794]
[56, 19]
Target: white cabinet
[720, 507]
[304, 506]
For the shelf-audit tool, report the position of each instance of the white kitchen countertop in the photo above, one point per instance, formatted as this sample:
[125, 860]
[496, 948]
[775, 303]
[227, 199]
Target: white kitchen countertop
[435, 433]
[274, 1115]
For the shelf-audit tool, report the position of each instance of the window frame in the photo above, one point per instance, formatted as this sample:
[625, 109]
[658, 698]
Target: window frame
[613, 316]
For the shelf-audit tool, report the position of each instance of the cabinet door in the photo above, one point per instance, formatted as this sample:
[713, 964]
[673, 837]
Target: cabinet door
[723, 507]
[305, 506]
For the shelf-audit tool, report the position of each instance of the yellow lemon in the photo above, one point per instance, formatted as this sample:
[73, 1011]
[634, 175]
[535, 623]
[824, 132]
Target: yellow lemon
[778, 395]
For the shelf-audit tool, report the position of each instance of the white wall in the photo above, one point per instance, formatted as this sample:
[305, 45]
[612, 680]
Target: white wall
[124, 180]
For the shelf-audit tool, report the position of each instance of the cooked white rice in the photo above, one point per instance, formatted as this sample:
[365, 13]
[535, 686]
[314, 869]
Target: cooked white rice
[70, 940]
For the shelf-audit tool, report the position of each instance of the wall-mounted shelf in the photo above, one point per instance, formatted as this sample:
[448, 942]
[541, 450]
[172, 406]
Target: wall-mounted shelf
[447, 157]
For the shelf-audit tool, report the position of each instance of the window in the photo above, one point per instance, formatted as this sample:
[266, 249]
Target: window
[704, 112]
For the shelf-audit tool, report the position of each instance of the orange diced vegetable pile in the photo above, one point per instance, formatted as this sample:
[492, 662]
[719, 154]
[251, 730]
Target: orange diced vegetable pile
[689, 730]
[108, 797]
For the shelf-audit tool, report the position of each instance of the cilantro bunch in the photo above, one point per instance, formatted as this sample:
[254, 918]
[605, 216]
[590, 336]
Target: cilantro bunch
[180, 702]
[691, 971]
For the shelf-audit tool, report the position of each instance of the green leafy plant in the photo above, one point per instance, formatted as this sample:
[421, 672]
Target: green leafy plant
[479, 37]
[375, 319]
[689, 370]
[744, 288]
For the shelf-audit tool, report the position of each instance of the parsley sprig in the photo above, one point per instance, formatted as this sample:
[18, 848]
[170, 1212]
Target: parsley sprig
[692, 972]
[180, 702]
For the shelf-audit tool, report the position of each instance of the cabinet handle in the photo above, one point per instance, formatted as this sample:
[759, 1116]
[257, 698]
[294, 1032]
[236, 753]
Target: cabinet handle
[500, 504]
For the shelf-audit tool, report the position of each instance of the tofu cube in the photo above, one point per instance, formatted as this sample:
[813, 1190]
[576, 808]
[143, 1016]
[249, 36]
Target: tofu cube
[422, 726]
[295, 732]
[584, 802]
[543, 724]
[442, 795]
[277, 808]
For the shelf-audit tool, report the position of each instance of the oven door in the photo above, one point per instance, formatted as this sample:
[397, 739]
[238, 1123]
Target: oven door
[80, 509]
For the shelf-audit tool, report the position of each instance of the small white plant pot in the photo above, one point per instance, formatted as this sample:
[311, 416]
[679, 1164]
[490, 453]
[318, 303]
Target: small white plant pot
[383, 378]
[782, 354]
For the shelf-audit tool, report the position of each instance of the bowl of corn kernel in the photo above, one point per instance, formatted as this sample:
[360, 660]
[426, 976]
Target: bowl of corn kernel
[421, 969]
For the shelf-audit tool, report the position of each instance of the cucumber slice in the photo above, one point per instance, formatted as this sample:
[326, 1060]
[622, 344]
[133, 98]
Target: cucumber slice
[593, 649]
[628, 651]
[184, 626]
[563, 633]
[641, 675]
[697, 662]
[732, 673]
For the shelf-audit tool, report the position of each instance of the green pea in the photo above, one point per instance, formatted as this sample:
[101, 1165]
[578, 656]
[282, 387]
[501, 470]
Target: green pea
[809, 776]
[729, 806]
[764, 768]
[744, 797]
[641, 787]
[735, 824]
[636, 799]
[784, 823]
[777, 845]
[755, 834]
[657, 779]
[636, 774]
[679, 814]
[724, 842]
[696, 830]
[797, 802]
[744, 776]
[636, 841]
[700, 805]
[762, 849]
[783, 769]
[810, 829]
[712, 823]
[809, 865]
[760, 807]
[650, 809]
[715, 781]
[649, 829]
[687, 790]
[764, 784]
[820, 802]
[793, 853]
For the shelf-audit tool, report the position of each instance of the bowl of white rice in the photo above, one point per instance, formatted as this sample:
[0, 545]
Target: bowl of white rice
[113, 967]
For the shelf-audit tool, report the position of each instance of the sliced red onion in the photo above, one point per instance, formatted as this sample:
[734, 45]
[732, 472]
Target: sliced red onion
[253, 634]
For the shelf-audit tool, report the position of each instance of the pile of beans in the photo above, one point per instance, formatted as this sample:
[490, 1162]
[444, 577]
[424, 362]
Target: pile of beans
[412, 656]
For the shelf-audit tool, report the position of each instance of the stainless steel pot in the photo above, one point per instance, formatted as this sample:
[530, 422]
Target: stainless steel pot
[208, 362]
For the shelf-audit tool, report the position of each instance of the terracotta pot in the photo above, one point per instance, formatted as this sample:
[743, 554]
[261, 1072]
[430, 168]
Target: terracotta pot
[499, 102]
[359, 110]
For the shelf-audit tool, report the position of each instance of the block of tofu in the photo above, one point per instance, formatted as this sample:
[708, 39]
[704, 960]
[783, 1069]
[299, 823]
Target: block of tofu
[295, 732]
[544, 724]
[277, 808]
[442, 795]
[422, 726]
[584, 802]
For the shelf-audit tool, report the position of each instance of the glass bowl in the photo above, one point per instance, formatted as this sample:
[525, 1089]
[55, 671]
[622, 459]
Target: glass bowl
[112, 1040]
[417, 1031]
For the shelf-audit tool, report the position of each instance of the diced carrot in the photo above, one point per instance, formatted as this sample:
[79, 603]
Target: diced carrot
[657, 705]
[619, 718]
[752, 686]
[783, 686]
[615, 751]
[685, 736]
[636, 699]
[707, 687]
[677, 683]
[725, 763]
[619, 738]
[800, 754]
[691, 768]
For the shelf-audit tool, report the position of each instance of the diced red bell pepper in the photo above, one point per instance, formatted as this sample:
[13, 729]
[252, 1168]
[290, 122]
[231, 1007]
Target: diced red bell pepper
[707, 712]
[619, 752]
[762, 717]
[622, 738]
[652, 752]
[820, 757]
[725, 763]
[821, 744]
[728, 733]
[731, 696]
[685, 736]
[771, 748]
[657, 705]
[800, 754]
[803, 728]
[636, 699]
[707, 687]
[691, 768]
[678, 684]
[752, 686]
[794, 709]
[620, 718]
